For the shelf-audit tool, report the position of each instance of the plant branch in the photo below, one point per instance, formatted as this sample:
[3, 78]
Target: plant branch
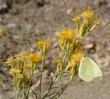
[58, 94]
[51, 85]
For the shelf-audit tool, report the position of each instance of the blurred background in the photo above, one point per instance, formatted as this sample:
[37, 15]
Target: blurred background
[22, 22]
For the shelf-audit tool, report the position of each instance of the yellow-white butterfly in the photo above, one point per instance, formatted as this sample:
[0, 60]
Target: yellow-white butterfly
[88, 69]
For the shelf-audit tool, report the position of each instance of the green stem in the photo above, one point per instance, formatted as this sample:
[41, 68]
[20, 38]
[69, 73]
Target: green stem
[51, 86]
[17, 93]
[60, 92]
[27, 94]
[40, 97]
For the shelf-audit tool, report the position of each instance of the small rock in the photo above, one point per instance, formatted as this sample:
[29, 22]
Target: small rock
[40, 3]
[4, 6]
[102, 3]
[69, 11]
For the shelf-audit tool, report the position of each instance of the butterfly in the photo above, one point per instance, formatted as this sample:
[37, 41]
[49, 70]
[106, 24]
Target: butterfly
[88, 69]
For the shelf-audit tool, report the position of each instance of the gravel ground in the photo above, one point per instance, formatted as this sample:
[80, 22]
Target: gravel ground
[30, 20]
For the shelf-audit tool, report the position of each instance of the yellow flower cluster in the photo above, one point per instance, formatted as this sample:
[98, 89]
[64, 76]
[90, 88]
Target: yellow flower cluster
[70, 40]
[86, 21]
[22, 66]
[69, 46]
[66, 38]
[75, 60]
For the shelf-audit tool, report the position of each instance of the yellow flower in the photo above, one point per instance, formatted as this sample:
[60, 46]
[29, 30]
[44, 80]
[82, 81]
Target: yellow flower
[76, 19]
[66, 37]
[17, 76]
[67, 34]
[43, 45]
[78, 55]
[74, 61]
[75, 58]
[88, 13]
[9, 61]
[2, 31]
[58, 63]
[14, 71]
[89, 16]
[22, 54]
[34, 57]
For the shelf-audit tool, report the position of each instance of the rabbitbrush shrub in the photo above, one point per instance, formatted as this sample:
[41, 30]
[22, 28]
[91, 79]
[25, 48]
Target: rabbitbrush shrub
[71, 60]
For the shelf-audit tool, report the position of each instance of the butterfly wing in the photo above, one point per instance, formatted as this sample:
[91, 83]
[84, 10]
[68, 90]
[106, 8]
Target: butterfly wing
[85, 70]
[88, 69]
[96, 69]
